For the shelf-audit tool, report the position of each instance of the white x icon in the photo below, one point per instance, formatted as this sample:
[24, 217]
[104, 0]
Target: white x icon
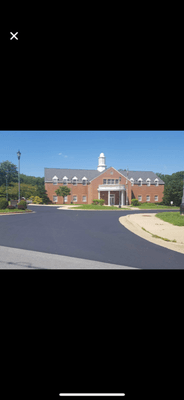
[14, 35]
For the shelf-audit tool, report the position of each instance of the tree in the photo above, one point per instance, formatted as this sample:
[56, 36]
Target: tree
[9, 169]
[63, 191]
[41, 192]
[173, 189]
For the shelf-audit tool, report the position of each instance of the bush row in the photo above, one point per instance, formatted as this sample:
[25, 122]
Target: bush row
[100, 202]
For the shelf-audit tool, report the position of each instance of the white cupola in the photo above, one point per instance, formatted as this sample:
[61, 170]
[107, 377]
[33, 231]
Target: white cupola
[101, 163]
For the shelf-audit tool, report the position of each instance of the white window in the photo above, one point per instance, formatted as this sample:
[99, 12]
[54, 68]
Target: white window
[139, 198]
[83, 198]
[112, 181]
[156, 182]
[132, 181]
[109, 181]
[74, 198]
[55, 199]
[117, 181]
[147, 198]
[74, 181]
[148, 181]
[65, 180]
[156, 198]
[140, 182]
[84, 181]
[65, 199]
[55, 180]
[104, 181]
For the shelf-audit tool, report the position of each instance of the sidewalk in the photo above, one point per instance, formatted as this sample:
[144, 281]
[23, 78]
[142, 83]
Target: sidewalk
[135, 223]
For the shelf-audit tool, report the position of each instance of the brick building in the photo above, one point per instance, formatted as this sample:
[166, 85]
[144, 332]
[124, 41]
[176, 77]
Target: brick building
[115, 187]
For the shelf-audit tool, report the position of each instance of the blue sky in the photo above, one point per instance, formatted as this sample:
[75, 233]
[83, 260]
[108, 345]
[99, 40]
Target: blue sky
[157, 151]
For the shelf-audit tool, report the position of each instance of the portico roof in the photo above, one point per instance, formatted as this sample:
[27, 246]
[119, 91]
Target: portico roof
[106, 188]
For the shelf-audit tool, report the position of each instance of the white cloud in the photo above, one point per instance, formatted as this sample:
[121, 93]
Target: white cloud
[60, 154]
[65, 156]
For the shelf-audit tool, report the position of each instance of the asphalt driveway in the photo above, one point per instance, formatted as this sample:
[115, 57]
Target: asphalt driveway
[90, 235]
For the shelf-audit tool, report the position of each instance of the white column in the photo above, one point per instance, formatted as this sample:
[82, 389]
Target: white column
[123, 198]
[108, 197]
[99, 195]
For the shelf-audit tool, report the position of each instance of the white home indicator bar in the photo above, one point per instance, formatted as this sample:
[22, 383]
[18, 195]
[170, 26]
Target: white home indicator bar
[92, 394]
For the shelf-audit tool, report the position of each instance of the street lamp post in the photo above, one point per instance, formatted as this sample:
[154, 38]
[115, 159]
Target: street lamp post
[6, 186]
[19, 154]
[182, 204]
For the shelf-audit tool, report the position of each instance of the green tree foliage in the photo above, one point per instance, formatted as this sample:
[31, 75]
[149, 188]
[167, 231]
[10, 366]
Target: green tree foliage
[31, 180]
[9, 169]
[41, 192]
[173, 188]
[63, 191]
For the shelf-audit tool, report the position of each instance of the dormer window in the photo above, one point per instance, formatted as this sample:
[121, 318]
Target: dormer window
[55, 180]
[132, 181]
[74, 180]
[84, 181]
[156, 182]
[140, 181]
[65, 180]
[148, 181]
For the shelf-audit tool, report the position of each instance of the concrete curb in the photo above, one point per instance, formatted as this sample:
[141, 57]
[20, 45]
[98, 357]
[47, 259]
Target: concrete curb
[137, 230]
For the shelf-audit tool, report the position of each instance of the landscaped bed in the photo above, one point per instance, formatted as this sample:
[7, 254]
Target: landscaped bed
[15, 211]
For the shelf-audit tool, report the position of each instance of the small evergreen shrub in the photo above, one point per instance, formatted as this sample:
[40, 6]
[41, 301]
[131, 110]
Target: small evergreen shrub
[37, 200]
[135, 202]
[11, 207]
[3, 204]
[21, 207]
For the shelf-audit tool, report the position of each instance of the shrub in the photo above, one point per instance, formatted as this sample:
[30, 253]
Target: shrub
[135, 202]
[21, 207]
[11, 207]
[22, 203]
[100, 202]
[3, 204]
[37, 200]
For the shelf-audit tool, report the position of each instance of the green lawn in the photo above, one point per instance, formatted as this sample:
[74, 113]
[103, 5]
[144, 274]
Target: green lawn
[97, 207]
[172, 218]
[7, 210]
[156, 206]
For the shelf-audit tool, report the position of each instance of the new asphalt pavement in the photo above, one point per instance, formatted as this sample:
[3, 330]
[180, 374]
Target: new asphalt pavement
[91, 236]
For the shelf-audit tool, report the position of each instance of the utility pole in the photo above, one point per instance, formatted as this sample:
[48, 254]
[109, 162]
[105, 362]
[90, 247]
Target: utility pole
[19, 154]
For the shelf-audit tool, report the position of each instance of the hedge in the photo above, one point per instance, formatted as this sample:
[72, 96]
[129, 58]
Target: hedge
[100, 202]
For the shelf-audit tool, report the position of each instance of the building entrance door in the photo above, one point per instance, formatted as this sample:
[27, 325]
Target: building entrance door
[112, 199]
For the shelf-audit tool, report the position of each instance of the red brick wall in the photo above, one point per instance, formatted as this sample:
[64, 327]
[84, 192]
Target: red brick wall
[79, 191]
[93, 192]
[151, 191]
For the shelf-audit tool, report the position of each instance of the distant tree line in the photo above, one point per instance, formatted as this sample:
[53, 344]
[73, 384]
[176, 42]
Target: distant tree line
[29, 185]
[173, 188]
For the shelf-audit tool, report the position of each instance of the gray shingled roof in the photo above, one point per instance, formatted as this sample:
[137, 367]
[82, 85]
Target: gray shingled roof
[142, 174]
[70, 173]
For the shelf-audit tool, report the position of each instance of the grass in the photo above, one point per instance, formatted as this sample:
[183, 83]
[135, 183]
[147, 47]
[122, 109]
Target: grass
[159, 237]
[156, 206]
[7, 210]
[97, 207]
[172, 218]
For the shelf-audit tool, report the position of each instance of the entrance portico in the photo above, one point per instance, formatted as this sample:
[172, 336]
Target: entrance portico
[112, 194]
